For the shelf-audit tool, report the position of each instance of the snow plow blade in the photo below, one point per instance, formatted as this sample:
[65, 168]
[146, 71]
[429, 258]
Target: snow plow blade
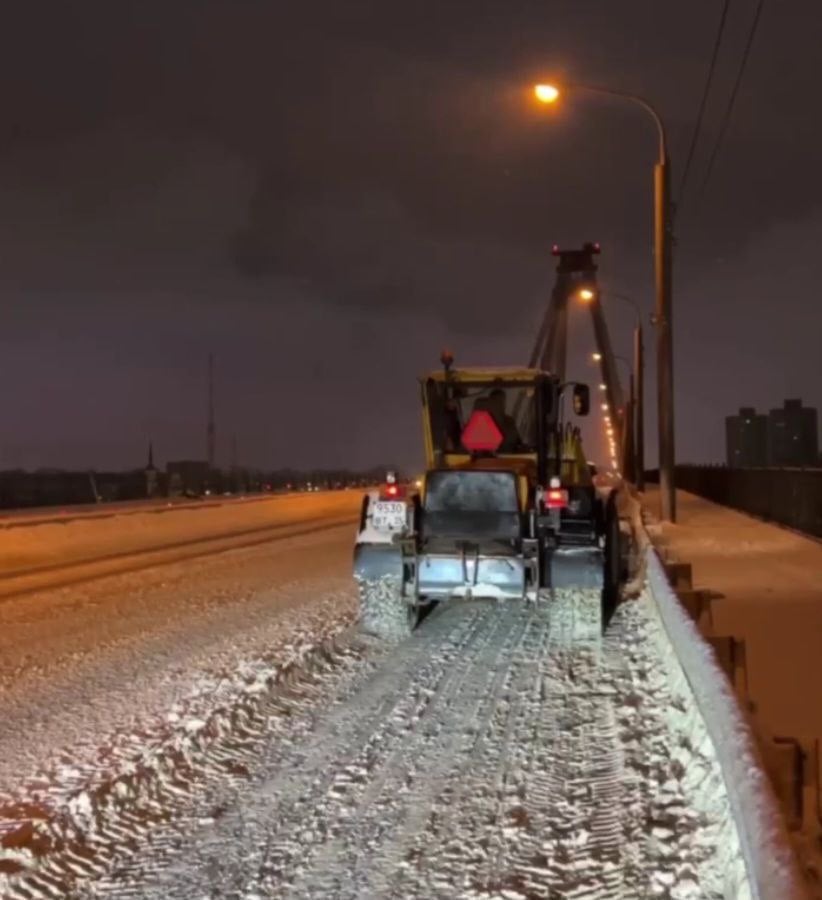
[467, 575]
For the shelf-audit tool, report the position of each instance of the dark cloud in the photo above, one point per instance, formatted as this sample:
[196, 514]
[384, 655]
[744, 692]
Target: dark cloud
[314, 185]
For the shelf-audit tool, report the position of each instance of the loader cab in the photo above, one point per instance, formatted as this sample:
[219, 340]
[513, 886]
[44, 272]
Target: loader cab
[471, 415]
[511, 421]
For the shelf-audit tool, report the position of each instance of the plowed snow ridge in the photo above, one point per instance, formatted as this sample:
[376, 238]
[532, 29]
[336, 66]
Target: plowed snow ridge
[496, 753]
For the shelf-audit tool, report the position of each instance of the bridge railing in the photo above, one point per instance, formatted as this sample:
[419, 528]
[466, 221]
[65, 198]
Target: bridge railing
[791, 497]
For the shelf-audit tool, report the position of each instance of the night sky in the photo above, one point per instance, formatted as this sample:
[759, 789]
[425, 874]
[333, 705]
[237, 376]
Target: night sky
[325, 194]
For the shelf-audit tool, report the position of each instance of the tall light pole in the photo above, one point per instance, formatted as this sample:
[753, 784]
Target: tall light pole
[629, 433]
[623, 411]
[637, 381]
[639, 391]
[211, 428]
[547, 93]
[639, 397]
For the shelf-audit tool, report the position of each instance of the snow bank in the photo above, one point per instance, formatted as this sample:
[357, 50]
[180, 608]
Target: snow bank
[75, 820]
[771, 866]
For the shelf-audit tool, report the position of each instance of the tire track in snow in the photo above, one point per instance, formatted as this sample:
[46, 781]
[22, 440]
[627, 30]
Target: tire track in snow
[295, 767]
[415, 776]
[339, 820]
[497, 753]
[490, 836]
[402, 809]
[70, 826]
[561, 834]
[456, 838]
[550, 796]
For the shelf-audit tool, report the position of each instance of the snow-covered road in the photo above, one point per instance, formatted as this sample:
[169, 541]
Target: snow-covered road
[61, 550]
[227, 739]
[91, 674]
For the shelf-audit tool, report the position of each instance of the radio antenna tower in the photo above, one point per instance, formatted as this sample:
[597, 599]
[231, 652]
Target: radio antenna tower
[211, 428]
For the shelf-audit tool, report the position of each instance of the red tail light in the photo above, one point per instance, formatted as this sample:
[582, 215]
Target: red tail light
[556, 498]
[392, 492]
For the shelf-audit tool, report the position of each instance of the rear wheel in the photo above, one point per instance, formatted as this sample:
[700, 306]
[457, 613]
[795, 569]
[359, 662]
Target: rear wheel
[613, 561]
[384, 611]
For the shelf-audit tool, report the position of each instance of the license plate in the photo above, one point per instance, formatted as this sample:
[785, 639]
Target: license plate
[388, 515]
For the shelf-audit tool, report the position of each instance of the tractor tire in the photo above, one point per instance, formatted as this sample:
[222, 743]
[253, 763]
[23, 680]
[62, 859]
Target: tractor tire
[612, 576]
[384, 611]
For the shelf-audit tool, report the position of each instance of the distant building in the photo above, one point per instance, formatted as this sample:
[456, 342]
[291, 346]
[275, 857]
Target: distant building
[793, 436]
[746, 439]
[152, 475]
[783, 438]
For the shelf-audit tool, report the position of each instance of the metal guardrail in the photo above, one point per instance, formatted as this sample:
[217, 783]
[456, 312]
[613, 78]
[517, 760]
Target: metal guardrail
[793, 790]
[817, 759]
[791, 497]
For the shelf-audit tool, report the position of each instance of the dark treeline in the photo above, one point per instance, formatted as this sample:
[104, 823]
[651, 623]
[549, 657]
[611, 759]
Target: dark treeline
[51, 487]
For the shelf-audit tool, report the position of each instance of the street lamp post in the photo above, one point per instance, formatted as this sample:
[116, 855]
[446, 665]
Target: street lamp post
[629, 454]
[663, 242]
[639, 399]
[638, 393]
[637, 386]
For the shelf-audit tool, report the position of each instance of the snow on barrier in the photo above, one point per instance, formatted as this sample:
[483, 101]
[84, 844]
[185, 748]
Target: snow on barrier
[771, 866]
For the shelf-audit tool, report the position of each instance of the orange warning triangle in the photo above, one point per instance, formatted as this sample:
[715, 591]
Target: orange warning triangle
[481, 433]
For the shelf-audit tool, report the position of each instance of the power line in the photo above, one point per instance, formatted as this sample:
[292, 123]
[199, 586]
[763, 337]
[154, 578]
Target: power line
[211, 426]
[726, 120]
[703, 103]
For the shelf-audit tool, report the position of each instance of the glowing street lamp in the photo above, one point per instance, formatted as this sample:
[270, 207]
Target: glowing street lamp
[663, 249]
[586, 294]
[546, 93]
[596, 357]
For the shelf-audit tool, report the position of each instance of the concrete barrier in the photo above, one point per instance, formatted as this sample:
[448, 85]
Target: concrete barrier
[772, 867]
